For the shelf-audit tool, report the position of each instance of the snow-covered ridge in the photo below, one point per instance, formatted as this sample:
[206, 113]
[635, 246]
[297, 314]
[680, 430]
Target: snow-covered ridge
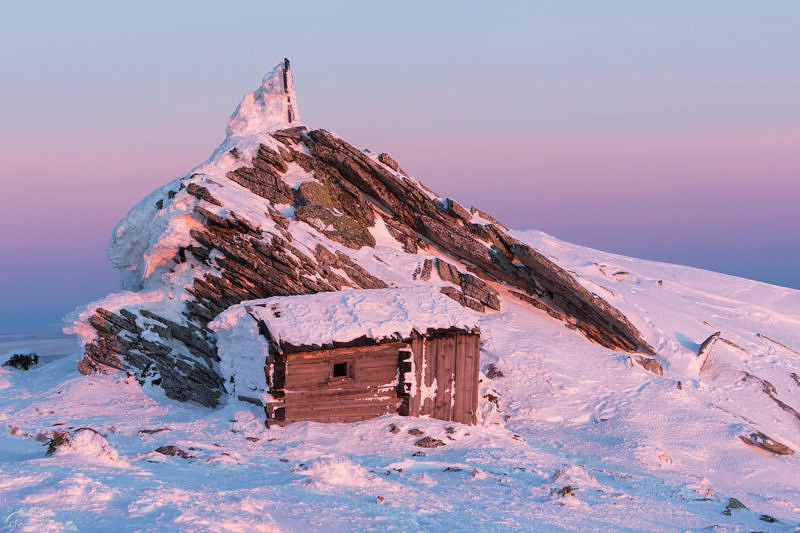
[153, 230]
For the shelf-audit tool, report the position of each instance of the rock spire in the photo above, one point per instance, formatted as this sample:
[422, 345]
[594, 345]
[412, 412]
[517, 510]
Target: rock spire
[271, 107]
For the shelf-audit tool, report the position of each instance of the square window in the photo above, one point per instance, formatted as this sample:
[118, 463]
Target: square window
[340, 370]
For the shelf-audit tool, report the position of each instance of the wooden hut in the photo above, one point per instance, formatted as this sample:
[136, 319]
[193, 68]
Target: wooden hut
[352, 355]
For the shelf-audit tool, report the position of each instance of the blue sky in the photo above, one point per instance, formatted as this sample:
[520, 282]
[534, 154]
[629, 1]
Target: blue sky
[667, 131]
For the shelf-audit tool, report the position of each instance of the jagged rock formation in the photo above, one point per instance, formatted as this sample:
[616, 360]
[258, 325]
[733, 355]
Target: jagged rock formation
[280, 209]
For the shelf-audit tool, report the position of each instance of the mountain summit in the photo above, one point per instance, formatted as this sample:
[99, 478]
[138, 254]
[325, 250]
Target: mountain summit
[281, 209]
[613, 393]
[270, 107]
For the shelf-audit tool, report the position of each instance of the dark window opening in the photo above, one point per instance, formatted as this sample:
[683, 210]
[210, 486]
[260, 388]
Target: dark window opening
[340, 370]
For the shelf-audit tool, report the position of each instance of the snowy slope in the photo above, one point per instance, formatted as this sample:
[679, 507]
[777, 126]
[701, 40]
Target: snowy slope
[583, 439]
[572, 435]
[279, 209]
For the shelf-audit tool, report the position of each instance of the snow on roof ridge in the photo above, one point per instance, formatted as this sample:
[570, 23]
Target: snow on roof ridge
[324, 318]
[271, 107]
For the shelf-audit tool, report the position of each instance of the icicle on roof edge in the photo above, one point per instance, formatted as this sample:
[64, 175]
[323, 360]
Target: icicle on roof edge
[271, 107]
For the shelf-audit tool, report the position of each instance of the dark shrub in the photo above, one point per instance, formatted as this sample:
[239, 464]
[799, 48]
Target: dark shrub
[59, 438]
[22, 361]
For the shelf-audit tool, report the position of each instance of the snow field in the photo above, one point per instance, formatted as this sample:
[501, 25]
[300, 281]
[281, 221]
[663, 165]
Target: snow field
[592, 441]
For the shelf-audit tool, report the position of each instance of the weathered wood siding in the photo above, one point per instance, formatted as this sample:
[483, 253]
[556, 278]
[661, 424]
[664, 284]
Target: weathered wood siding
[445, 376]
[439, 378]
[370, 389]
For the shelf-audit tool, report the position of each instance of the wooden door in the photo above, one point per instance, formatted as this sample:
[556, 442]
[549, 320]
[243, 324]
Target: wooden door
[446, 376]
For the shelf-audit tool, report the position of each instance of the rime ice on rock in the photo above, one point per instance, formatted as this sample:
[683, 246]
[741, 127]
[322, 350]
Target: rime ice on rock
[270, 107]
[277, 210]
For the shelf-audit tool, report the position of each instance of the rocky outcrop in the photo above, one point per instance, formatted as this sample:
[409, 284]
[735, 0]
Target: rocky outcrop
[765, 444]
[704, 351]
[770, 390]
[174, 451]
[507, 260]
[264, 176]
[650, 364]
[389, 161]
[178, 357]
[181, 356]
[237, 249]
[475, 293]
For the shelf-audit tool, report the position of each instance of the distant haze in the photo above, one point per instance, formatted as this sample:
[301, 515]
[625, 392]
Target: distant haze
[670, 132]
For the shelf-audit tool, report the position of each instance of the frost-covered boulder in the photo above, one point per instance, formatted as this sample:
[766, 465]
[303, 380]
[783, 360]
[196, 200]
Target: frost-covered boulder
[85, 444]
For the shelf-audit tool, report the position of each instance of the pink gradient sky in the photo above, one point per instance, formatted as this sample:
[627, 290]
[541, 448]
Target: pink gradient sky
[671, 133]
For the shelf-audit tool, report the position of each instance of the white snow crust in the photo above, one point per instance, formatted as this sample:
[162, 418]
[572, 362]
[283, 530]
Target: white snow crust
[243, 354]
[324, 318]
[90, 446]
[573, 437]
[268, 108]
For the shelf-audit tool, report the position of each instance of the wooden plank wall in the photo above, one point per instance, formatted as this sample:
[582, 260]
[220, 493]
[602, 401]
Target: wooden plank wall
[451, 364]
[369, 391]
[472, 365]
[417, 349]
[446, 365]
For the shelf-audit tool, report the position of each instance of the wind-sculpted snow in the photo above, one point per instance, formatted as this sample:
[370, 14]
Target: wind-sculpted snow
[280, 210]
[574, 436]
[577, 430]
[271, 107]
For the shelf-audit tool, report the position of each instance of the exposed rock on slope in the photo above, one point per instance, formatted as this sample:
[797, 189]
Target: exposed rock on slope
[279, 209]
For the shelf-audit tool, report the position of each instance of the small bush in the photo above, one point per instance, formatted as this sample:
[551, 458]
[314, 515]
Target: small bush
[569, 490]
[22, 361]
[59, 438]
[493, 372]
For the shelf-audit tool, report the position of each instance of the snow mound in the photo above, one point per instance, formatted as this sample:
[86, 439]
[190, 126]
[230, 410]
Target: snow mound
[179, 509]
[338, 472]
[77, 492]
[325, 318]
[90, 446]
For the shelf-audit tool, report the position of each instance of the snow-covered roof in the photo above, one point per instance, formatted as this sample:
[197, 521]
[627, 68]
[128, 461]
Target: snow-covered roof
[334, 318]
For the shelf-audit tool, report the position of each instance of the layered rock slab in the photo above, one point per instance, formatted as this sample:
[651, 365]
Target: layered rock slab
[286, 210]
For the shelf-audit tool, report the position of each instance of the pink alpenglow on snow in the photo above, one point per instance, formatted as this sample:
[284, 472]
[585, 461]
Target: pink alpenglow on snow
[567, 433]
[342, 316]
[270, 107]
